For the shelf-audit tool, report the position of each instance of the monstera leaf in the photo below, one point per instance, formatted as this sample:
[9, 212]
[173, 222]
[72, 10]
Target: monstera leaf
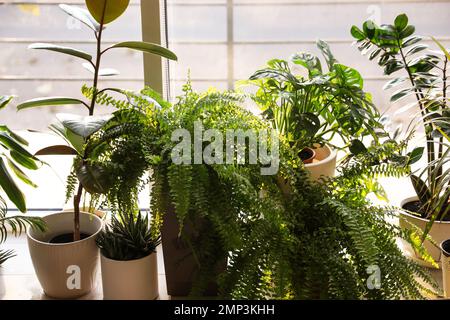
[83, 126]
[106, 11]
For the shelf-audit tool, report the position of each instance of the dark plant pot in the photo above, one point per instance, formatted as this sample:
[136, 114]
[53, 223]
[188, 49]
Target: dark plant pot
[445, 264]
[180, 265]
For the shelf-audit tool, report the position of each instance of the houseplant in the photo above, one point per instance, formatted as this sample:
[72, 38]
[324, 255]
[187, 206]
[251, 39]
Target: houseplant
[65, 257]
[128, 258]
[323, 110]
[14, 157]
[421, 87]
[317, 241]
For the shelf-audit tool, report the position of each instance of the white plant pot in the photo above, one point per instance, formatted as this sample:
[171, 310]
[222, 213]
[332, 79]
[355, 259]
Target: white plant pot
[66, 270]
[130, 280]
[439, 232]
[324, 164]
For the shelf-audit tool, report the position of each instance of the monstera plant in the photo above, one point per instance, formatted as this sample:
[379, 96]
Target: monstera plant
[14, 157]
[88, 174]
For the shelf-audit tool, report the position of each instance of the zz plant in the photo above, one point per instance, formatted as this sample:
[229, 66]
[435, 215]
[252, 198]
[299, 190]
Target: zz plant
[76, 130]
[396, 48]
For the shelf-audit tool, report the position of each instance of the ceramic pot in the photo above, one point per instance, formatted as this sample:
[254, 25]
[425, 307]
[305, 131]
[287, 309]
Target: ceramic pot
[323, 164]
[130, 280]
[445, 265]
[439, 232]
[65, 270]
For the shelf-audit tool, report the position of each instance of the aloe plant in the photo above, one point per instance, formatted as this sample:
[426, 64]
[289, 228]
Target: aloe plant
[77, 130]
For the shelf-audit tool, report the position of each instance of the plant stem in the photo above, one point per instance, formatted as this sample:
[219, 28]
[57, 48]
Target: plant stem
[77, 198]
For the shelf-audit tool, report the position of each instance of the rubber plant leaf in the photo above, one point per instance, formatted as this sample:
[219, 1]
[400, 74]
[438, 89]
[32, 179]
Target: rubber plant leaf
[147, 47]
[66, 50]
[82, 15]
[106, 11]
[48, 101]
[94, 178]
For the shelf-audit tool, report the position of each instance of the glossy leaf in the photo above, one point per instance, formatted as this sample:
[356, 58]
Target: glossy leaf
[401, 21]
[147, 47]
[82, 15]
[76, 141]
[94, 178]
[66, 50]
[357, 33]
[57, 150]
[10, 188]
[48, 101]
[357, 147]
[13, 135]
[106, 72]
[83, 126]
[421, 189]
[409, 30]
[106, 11]
[415, 155]
[12, 145]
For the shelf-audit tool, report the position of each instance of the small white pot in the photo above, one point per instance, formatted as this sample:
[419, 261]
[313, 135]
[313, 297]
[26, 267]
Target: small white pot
[66, 270]
[130, 280]
[324, 164]
[439, 232]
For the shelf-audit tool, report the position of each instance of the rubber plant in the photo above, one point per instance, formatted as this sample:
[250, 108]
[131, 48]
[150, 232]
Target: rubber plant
[78, 130]
[396, 48]
[13, 159]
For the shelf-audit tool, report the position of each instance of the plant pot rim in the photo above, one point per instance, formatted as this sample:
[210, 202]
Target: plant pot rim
[441, 246]
[415, 198]
[93, 216]
[125, 261]
[330, 158]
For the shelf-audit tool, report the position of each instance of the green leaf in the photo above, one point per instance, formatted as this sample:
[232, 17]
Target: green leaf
[20, 174]
[106, 11]
[415, 49]
[48, 101]
[411, 41]
[357, 147]
[401, 21]
[23, 160]
[57, 150]
[13, 135]
[10, 188]
[4, 100]
[421, 189]
[83, 126]
[415, 155]
[82, 15]
[400, 94]
[409, 30]
[447, 54]
[146, 47]
[66, 50]
[94, 178]
[107, 72]
[73, 139]
[12, 145]
[309, 61]
[357, 33]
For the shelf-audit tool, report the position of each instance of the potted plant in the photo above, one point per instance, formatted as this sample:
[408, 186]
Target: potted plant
[65, 257]
[14, 158]
[398, 49]
[128, 258]
[313, 111]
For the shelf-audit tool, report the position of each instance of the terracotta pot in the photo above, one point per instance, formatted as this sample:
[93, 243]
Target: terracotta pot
[65, 270]
[445, 265]
[130, 280]
[323, 164]
[439, 232]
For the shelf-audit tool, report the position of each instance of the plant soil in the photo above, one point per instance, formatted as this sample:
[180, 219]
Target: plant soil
[307, 155]
[67, 237]
[417, 207]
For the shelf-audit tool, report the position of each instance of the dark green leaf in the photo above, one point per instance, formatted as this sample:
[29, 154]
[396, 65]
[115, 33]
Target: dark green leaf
[10, 188]
[411, 41]
[409, 30]
[400, 94]
[20, 174]
[83, 126]
[415, 49]
[94, 178]
[401, 21]
[23, 160]
[421, 189]
[357, 33]
[66, 50]
[4, 100]
[415, 155]
[357, 147]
